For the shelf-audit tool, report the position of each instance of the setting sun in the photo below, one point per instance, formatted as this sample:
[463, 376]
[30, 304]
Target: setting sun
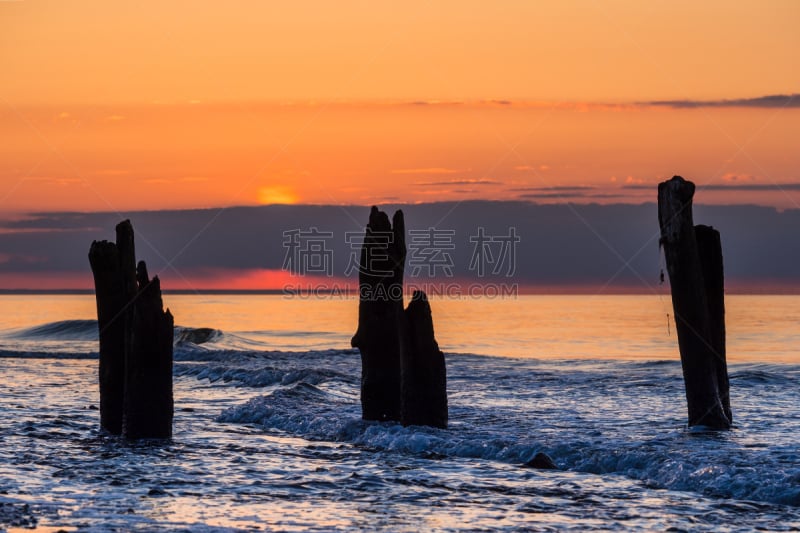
[276, 195]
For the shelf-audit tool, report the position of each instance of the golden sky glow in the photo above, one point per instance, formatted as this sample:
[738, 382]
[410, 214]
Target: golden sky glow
[116, 106]
[98, 52]
[201, 155]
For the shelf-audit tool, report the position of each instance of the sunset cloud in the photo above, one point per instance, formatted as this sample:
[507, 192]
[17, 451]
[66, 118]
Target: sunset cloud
[481, 181]
[427, 170]
[523, 168]
[245, 246]
[569, 193]
[577, 195]
[769, 101]
[733, 186]
[739, 178]
[555, 188]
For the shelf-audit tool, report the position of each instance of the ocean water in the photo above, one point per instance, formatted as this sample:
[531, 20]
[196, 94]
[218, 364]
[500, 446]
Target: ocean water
[268, 435]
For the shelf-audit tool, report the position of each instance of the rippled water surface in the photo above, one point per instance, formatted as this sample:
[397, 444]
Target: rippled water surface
[268, 432]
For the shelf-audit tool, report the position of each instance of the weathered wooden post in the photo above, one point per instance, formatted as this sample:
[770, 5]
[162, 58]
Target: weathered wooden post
[380, 310]
[113, 271]
[403, 376]
[709, 246]
[424, 379]
[132, 336]
[694, 263]
[148, 367]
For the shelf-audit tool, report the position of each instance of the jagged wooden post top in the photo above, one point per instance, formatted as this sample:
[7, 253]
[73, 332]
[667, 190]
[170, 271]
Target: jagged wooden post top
[694, 264]
[403, 374]
[135, 341]
[380, 306]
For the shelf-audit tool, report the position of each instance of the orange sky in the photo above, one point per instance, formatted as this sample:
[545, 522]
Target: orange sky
[105, 106]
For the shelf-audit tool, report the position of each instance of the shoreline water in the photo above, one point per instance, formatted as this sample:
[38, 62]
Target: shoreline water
[760, 328]
[269, 440]
[268, 432]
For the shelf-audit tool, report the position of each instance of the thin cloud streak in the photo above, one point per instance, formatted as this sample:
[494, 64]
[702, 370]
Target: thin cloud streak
[556, 188]
[481, 181]
[769, 101]
[430, 170]
[730, 186]
[568, 196]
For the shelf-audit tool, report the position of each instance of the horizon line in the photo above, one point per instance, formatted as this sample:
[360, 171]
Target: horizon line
[792, 290]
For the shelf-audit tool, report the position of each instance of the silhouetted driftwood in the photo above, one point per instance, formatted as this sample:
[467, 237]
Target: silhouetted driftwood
[424, 380]
[113, 293]
[403, 375]
[109, 295]
[380, 310]
[130, 331]
[709, 246]
[694, 263]
[148, 369]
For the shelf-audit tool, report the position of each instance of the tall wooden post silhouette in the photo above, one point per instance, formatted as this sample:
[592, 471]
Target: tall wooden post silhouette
[694, 263]
[148, 366]
[709, 246]
[403, 375]
[424, 376]
[380, 310]
[115, 285]
[135, 342]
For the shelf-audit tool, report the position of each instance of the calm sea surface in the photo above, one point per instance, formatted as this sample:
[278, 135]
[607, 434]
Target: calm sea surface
[268, 432]
[760, 328]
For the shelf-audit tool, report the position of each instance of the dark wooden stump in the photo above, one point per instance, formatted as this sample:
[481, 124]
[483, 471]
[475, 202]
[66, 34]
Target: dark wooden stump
[424, 379]
[148, 370]
[709, 246]
[694, 264]
[109, 295]
[131, 331]
[403, 376]
[114, 281]
[380, 314]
